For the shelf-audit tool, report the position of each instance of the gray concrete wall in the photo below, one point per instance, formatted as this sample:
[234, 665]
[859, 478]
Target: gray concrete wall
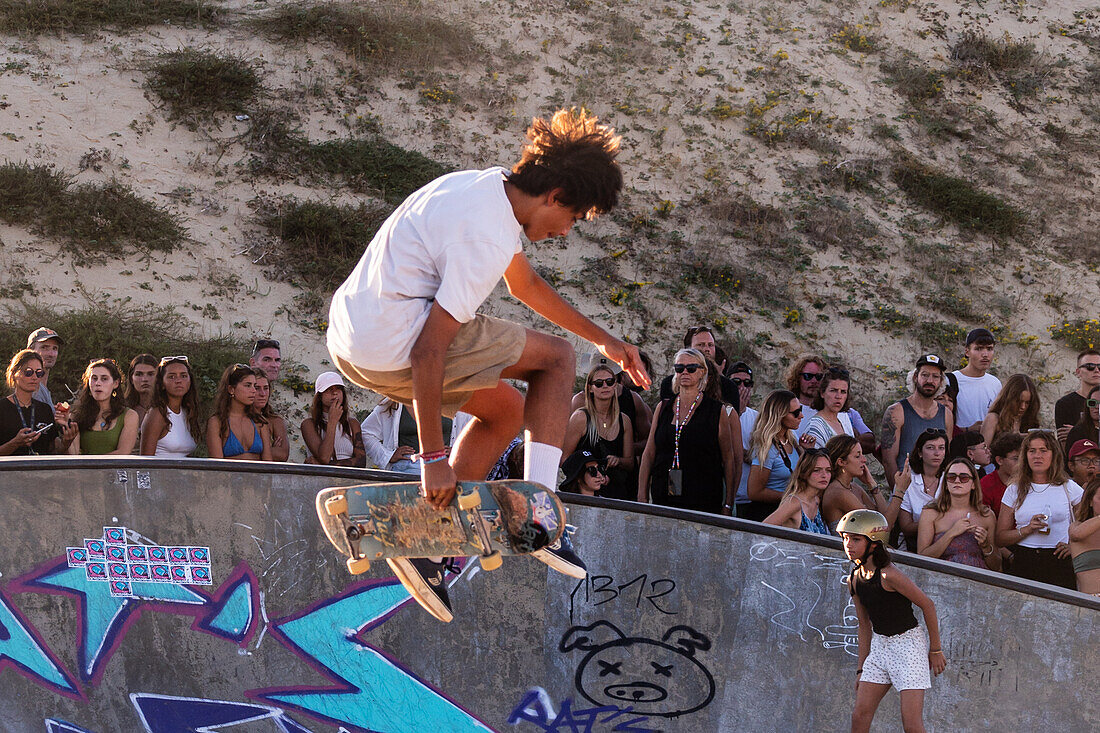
[703, 626]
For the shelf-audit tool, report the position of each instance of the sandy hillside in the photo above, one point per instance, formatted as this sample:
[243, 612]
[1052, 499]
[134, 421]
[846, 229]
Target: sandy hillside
[765, 149]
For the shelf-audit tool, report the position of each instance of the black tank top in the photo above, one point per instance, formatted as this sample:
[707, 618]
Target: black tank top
[618, 479]
[891, 613]
[626, 407]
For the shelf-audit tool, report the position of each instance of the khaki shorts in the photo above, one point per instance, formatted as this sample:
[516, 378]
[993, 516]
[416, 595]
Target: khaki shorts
[481, 350]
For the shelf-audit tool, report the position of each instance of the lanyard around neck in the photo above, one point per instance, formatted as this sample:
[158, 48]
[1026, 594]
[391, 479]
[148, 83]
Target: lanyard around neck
[678, 425]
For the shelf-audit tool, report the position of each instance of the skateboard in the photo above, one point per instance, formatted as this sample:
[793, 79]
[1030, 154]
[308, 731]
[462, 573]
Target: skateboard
[489, 519]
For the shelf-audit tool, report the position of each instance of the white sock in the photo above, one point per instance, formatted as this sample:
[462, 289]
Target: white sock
[540, 463]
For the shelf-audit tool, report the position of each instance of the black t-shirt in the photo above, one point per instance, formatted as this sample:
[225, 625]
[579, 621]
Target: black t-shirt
[1068, 409]
[13, 419]
[731, 395]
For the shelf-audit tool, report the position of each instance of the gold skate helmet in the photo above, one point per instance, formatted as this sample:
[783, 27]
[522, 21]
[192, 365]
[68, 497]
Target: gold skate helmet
[866, 522]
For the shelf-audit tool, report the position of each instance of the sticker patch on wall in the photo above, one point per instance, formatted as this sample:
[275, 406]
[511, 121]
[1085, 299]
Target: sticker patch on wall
[111, 558]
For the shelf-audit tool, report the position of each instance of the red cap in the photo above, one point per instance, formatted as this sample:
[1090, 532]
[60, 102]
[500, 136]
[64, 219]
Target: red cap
[1083, 446]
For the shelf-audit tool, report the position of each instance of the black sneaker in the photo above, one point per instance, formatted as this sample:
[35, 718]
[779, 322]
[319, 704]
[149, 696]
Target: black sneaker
[561, 557]
[425, 581]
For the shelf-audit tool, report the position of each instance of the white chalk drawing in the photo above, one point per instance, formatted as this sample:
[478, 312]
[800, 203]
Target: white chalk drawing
[799, 617]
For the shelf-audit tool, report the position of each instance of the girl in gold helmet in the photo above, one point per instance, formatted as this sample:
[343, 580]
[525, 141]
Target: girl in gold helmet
[893, 648]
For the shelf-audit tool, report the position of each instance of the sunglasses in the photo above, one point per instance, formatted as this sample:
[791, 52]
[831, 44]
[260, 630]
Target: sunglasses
[1092, 403]
[959, 478]
[811, 377]
[595, 471]
[603, 382]
[738, 381]
[935, 431]
[689, 368]
[170, 359]
[797, 413]
[266, 344]
[29, 372]
[1090, 367]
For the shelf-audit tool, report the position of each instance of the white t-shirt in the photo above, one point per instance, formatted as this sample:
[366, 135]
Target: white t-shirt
[450, 242]
[1044, 499]
[976, 394]
[748, 421]
[915, 499]
[807, 413]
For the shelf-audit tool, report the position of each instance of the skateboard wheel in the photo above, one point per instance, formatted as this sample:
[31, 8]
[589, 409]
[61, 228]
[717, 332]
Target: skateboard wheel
[358, 565]
[336, 505]
[469, 501]
[492, 561]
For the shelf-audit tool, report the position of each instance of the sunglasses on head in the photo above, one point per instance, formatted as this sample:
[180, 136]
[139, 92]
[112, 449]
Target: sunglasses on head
[30, 372]
[1089, 366]
[689, 368]
[839, 372]
[265, 344]
[940, 432]
[596, 470]
[738, 381]
[959, 478]
[811, 377]
[170, 359]
[603, 382]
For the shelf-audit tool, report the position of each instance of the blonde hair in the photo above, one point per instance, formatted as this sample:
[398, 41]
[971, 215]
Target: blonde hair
[769, 424]
[593, 429]
[702, 360]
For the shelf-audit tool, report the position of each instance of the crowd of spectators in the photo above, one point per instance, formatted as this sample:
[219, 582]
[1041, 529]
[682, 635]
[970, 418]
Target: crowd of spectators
[971, 475]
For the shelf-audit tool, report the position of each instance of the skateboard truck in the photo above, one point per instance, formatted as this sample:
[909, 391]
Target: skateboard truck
[469, 502]
[338, 506]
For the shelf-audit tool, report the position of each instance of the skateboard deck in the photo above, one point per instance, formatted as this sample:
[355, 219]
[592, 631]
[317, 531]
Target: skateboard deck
[490, 519]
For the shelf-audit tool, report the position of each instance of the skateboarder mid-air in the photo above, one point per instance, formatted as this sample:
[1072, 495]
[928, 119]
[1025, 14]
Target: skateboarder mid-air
[405, 322]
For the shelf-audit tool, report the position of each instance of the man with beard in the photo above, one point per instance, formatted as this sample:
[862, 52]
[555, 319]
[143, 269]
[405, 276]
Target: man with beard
[905, 420]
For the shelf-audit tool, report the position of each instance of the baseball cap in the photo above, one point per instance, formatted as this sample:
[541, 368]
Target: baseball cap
[574, 465]
[1082, 446]
[980, 335]
[740, 366]
[596, 359]
[42, 334]
[931, 360]
[326, 380]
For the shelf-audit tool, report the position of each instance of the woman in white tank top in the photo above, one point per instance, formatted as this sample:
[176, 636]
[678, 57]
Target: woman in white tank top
[170, 428]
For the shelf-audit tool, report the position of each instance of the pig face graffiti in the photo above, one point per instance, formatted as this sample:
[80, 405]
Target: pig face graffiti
[650, 677]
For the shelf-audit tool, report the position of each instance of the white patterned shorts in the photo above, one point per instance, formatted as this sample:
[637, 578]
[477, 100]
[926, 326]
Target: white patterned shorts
[901, 661]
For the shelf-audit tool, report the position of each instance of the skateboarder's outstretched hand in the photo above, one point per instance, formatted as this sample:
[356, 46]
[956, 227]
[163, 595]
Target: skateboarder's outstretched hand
[438, 482]
[627, 356]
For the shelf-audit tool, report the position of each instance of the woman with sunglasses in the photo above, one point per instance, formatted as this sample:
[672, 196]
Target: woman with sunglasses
[800, 507]
[1084, 540]
[280, 443]
[919, 481]
[601, 429]
[1036, 512]
[585, 473]
[138, 387]
[1088, 427]
[688, 457]
[1016, 409]
[831, 401]
[107, 426]
[29, 426]
[774, 453]
[171, 426]
[957, 526]
[236, 430]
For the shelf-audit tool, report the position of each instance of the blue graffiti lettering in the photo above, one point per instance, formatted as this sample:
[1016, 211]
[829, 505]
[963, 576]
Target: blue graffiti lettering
[535, 708]
[168, 714]
[375, 692]
[53, 725]
[19, 648]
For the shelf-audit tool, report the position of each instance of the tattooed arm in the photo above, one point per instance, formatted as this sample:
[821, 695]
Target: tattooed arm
[892, 420]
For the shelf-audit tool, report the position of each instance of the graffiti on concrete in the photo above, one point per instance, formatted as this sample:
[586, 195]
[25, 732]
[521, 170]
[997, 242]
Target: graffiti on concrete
[23, 649]
[372, 691]
[599, 590]
[804, 601]
[654, 677]
[170, 714]
[112, 559]
[536, 708]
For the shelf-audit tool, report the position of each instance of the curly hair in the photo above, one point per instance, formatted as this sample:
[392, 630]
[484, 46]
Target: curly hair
[86, 409]
[575, 154]
[794, 371]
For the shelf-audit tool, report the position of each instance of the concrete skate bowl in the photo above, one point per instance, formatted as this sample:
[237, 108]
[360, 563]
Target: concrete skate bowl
[248, 621]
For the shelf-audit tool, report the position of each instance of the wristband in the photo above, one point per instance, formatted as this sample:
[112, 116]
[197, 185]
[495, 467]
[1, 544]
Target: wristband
[431, 456]
[935, 651]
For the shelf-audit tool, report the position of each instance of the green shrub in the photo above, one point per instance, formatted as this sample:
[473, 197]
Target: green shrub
[319, 243]
[84, 16]
[913, 80]
[120, 333]
[367, 163]
[956, 200]
[191, 80]
[392, 34]
[997, 54]
[91, 219]
[1079, 334]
